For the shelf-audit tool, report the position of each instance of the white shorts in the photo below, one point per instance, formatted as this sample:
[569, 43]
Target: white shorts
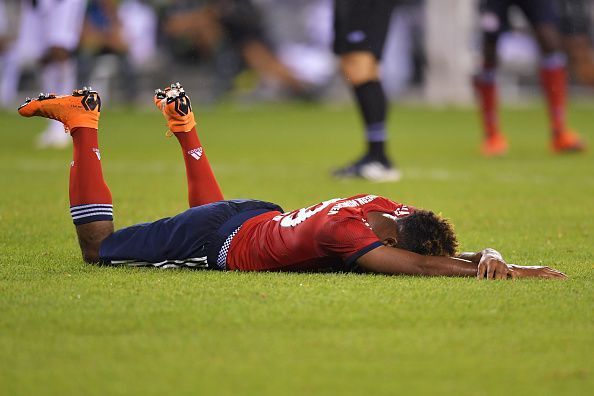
[52, 23]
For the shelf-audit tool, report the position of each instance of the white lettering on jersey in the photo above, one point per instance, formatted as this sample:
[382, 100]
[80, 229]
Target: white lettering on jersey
[352, 203]
[299, 216]
[402, 211]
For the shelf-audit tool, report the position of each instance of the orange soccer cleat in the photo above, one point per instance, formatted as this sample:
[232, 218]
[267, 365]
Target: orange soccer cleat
[567, 142]
[176, 107]
[494, 146]
[81, 109]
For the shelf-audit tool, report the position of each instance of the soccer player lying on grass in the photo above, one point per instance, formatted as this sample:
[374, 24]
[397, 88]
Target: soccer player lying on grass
[363, 233]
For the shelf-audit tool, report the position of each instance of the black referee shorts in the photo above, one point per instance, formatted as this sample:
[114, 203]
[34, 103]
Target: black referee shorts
[361, 25]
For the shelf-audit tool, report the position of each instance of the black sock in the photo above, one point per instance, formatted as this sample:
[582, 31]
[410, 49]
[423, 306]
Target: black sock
[372, 104]
[377, 151]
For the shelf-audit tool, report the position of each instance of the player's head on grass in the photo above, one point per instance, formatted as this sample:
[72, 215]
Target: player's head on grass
[426, 233]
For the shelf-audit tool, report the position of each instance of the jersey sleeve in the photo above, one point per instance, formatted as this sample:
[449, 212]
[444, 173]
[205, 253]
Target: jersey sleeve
[348, 238]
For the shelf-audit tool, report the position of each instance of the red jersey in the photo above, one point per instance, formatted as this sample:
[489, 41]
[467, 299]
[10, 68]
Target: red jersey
[330, 235]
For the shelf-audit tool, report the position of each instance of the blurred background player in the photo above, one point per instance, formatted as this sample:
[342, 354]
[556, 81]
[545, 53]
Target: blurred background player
[360, 29]
[543, 18]
[211, 24]
[103, 50]
[49, 33]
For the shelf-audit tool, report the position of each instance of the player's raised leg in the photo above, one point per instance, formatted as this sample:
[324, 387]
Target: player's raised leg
[90, 199]
[177, 109]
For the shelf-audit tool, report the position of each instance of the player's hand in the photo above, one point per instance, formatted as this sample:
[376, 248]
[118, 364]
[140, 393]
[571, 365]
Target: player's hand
[517, 271]
[492, 252]
[492, 266]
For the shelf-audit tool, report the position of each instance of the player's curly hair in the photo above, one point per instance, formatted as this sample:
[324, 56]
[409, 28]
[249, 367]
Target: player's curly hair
[426, 233]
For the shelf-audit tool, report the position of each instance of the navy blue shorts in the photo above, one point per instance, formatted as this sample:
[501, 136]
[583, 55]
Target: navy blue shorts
[494, 14]
[196, 235]
[361, 25]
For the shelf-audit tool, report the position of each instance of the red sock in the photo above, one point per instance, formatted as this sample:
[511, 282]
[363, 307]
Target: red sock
[90, 198]
[554, 84]
[202, 184]
[486, 91]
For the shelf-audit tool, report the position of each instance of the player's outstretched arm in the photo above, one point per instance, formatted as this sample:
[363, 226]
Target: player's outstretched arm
[393, 261]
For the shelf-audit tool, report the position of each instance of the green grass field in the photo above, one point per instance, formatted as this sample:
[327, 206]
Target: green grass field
[71, 328]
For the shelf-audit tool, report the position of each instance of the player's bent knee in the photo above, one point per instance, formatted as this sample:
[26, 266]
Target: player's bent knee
[90, 237]
[91, 257]
[359, 67]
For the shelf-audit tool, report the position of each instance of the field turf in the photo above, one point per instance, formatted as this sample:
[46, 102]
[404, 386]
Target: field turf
[71, 328]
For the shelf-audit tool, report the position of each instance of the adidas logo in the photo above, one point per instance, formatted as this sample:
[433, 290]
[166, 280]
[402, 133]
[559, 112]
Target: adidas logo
[196, 153]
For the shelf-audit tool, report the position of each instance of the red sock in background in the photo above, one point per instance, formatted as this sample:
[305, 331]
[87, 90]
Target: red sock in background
[486, 91]
[90, 198]
[202, 184]
[554, 84]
